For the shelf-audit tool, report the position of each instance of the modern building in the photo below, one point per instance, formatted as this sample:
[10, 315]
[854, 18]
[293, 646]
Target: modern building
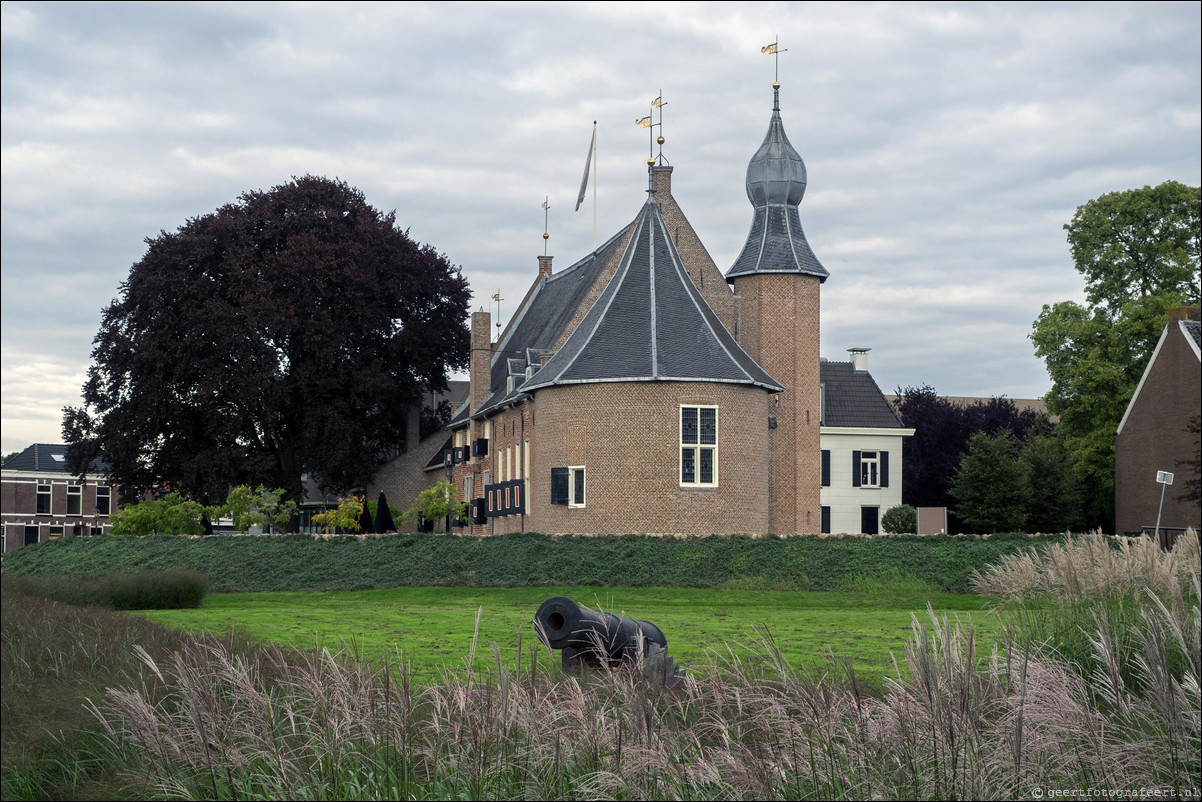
[41, 500]
[1155, 434]
[641, 390]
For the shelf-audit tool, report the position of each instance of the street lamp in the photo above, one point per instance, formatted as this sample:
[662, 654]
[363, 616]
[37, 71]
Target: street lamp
[1165, 479]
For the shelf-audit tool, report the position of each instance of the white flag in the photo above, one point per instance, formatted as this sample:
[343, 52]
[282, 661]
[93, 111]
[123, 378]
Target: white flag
[587, 162]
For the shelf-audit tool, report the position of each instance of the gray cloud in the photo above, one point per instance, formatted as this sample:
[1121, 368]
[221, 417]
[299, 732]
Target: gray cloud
[946, 143]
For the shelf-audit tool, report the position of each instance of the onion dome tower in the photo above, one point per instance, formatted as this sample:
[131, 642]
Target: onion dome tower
[778, 277]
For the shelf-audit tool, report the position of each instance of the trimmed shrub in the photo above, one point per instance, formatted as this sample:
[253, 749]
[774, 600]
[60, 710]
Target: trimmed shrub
[900, 520]
[148, 590]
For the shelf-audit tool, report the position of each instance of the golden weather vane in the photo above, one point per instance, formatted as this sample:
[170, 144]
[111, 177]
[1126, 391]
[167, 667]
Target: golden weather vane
[497, 297]
[773, 49]
[648, 123]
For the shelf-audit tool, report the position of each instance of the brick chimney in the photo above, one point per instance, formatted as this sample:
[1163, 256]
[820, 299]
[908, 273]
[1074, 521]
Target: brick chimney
[1184, 313]
[480, 367]
[544, 265]
[661, 179]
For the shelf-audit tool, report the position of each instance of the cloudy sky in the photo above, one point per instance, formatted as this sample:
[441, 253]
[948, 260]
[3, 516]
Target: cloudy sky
[947, 144]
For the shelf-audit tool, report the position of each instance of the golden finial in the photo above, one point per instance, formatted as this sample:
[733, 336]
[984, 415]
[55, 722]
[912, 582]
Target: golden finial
[546, 216]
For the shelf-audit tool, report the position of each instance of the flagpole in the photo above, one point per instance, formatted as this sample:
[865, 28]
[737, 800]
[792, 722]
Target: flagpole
[594, 187]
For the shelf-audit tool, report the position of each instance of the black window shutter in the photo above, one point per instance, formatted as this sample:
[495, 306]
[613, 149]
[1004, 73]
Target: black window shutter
[559, 485]
[826, 520]
[884, 469]
[826, 468]
[855, 469]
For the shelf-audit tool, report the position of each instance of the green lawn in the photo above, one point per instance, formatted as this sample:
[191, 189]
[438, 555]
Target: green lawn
[434, 626]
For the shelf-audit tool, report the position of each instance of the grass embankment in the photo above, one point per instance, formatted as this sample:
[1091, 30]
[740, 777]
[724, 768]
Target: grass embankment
[300, 562]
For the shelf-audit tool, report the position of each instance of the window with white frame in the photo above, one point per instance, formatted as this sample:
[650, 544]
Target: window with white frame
[870, 465]
[103, 500]
[43, 507]
[74, 500]
[576, 486]
[698, 446]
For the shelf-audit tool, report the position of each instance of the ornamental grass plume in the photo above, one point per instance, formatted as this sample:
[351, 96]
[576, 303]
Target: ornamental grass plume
[1091, 566]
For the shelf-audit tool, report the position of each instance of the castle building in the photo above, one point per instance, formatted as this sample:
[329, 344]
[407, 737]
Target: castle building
[640, 390]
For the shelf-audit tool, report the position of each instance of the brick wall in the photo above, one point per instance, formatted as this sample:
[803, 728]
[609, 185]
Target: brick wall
[627, 436]
[1154, 437]
[779, 329]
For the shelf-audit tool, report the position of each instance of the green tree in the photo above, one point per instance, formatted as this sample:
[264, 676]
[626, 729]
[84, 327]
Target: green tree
[900, 520]
[437, 502]
[259, 507]
[1054, 497]
[991, 484]
[344, 517]
[1138, 253]
[170, 515]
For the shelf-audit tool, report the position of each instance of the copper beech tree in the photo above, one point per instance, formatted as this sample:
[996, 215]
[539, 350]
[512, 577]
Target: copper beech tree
[287, 333]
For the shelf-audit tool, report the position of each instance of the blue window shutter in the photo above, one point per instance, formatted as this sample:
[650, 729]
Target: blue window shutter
[884, 469]
[855, 469]
[826, 468]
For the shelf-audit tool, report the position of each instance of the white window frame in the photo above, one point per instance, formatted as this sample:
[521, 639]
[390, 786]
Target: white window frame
[40, 491]
[697, 448]
[573, 472]
[870, 469]
[106, 493]
[75, 492]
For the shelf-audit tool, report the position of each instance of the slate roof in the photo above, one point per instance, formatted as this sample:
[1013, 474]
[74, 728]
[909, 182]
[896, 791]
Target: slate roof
[1193, 330]
[539, 324]
[776, 183]
[852, 398]
[48, 458]
[651, 324]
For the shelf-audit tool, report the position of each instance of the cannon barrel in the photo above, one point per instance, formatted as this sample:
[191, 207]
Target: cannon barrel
[588, 637]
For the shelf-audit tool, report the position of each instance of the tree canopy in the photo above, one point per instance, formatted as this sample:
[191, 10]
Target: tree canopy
[289, 332]
[941, 433]
[1138, 252]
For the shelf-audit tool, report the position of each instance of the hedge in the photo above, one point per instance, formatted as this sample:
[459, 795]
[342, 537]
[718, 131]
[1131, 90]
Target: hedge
[303, 562]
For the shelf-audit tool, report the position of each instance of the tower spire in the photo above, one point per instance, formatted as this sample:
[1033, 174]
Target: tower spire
[776, 183]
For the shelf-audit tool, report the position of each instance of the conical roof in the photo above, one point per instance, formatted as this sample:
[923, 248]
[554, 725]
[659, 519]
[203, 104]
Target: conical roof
[776, 183]
[651, 324]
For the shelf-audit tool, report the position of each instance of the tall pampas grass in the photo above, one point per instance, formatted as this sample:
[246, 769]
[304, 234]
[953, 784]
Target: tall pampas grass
[961, 720]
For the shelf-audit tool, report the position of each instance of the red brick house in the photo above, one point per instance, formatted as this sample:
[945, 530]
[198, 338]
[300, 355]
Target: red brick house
[1153, 434]
[641, 390]
[41, 500]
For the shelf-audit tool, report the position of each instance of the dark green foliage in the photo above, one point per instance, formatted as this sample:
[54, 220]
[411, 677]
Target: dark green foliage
[900, 520]
[941, 432]
[161, 590]
[1054, 496]
[991, 485]
[147, 590]
[289, 332]
[300, 562]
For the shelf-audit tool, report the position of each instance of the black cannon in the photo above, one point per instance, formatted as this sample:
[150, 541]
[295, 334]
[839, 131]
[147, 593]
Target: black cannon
[589, 638]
